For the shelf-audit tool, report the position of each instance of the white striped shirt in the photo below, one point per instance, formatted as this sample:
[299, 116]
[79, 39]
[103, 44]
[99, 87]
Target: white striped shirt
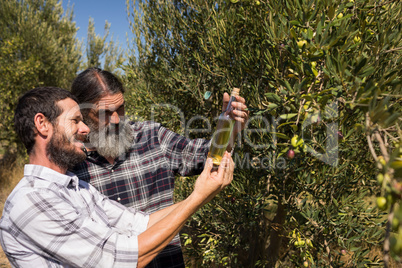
[55, 220]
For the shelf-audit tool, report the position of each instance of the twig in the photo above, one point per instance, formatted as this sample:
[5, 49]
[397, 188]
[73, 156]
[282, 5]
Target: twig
[370, 144]
[392, 50]
[329, 252]
[387, 234]
[382, 145]
[298, 114]
[380, 5]
[268, 183]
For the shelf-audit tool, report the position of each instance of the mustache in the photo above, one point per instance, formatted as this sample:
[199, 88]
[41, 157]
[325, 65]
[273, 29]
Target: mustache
[112, 128]
[81, 137]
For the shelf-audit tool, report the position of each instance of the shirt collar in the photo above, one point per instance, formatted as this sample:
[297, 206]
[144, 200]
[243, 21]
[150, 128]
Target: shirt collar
[96, 158]
[51, 175]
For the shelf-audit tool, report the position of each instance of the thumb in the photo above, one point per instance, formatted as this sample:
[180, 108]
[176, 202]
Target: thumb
[224, 164]
[208, 165]
[226, 99]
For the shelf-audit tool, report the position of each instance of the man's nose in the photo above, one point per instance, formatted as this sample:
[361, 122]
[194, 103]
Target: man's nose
[114, 118]
[83, 129]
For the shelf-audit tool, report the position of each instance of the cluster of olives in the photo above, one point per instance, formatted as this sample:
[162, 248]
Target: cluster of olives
[297, 142]
[303, 244]
[391, 195]
[396, 236]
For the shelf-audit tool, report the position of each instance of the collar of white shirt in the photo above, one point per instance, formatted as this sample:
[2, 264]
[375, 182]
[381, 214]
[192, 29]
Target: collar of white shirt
[51, 175]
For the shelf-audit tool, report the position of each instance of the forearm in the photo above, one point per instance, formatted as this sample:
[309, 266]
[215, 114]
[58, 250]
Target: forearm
[161, 232]
[160, 214]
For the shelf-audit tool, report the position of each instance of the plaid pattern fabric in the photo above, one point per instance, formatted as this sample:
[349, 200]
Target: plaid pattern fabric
[55, 220]
[143, 178]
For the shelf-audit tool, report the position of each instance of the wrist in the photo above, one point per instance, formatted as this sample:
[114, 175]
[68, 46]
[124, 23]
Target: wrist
[198, 199]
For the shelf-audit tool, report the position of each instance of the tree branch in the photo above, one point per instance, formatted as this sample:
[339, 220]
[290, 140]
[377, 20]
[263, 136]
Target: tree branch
[370, 144]
[392, 50]
[383, 148]
[387, 235]
[329, 253]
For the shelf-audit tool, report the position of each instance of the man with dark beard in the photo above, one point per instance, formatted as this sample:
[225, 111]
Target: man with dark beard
[53, 219]
[135, 163]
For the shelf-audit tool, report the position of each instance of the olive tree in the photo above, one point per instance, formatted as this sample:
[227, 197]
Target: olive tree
[322, 80]
[38, 46]
[102, 49]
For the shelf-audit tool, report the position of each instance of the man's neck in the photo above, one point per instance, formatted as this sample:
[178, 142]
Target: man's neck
[39, 160]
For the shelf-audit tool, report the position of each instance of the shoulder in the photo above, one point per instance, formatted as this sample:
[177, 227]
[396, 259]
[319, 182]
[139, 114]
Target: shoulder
[145, 129]
[32, 194]
[151, 129]
[144, 125]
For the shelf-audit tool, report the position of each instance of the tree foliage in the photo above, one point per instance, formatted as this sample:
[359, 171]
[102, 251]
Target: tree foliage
[100, 48]
[321, 78]
[38, 46]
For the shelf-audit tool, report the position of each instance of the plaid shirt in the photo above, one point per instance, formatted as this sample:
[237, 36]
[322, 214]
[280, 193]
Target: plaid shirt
[55, 220]
[143, 178]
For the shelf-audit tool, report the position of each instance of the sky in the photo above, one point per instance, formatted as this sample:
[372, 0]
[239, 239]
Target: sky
[114, 11]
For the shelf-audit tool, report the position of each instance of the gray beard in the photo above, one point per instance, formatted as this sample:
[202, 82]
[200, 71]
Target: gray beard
[108, 143]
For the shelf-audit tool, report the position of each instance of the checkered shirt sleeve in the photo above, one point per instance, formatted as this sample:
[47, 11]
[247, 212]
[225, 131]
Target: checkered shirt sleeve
[186, 157]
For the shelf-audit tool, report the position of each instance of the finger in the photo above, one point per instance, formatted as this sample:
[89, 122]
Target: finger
[240, 99]
[208, 165]
[239, 106]
[239, 119]
[238, 113]
[226, 99]
[229, 167]
[223, 166]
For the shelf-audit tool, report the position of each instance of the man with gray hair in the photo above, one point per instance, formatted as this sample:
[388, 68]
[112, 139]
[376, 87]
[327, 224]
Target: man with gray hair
[135, 163]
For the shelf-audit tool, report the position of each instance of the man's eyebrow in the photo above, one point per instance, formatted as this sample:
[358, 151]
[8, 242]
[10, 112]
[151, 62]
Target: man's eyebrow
[107, 110]
[77, 116]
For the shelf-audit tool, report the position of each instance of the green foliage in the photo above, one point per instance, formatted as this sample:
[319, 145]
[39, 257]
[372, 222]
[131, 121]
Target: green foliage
[99, 47]
[328, 72]
[37, 47]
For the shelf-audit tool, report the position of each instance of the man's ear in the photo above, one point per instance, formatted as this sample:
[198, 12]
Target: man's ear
[42, 124]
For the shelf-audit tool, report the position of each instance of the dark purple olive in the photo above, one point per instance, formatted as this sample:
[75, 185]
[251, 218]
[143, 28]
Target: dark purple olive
[291, 154]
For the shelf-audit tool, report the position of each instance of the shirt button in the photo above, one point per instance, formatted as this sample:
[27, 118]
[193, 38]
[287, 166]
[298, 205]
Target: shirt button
[112, 170]
[118, 199]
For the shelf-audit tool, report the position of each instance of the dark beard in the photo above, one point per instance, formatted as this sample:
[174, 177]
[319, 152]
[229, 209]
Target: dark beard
[107, 142]
[65, 157]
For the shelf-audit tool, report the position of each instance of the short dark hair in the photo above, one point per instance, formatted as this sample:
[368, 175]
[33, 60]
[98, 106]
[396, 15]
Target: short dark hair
[38, 100]
[93, 83]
